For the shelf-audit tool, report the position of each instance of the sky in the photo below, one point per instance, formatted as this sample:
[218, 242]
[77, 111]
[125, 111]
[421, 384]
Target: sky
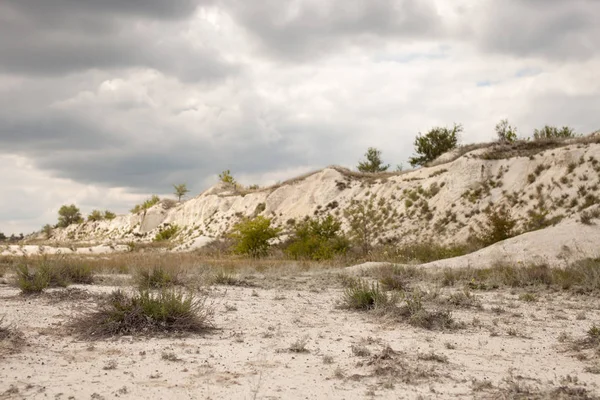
[103, 103]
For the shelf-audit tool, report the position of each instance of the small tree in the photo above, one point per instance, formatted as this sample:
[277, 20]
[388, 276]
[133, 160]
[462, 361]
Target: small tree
[68, 215]
[252, 236]
[373, 163]
[366, 219]
[95, 215]
[226, 177]
[317, 239]
[435, 143]
[47, 230]
[180, 190]
[552, 132]
[2, 236]
[499, 226]
[506, 133]
[109, 215]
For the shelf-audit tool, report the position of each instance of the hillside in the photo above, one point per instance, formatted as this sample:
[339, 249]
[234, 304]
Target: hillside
[543, 183]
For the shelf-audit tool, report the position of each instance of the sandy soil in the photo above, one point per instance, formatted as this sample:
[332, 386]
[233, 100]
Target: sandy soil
[509, 346]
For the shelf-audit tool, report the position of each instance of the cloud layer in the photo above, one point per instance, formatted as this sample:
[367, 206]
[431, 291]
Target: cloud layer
[129, 97]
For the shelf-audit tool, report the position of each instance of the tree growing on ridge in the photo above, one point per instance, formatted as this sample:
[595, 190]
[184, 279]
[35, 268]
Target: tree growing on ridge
[373, 163]
[435, 143]
[180, 190]
[68, 215]
[506, 133]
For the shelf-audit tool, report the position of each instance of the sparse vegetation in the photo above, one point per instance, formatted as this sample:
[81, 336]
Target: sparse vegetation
[68, 215]
[373, 163]
[145, 313]
[506, 133]
[366, 219]
[364, 296]
[317, 239]
[157, 277]
[226, 177]
[552, 132]
[153, 200]
[252, 236]
[180, 190]
[167, 233]
[436, 142]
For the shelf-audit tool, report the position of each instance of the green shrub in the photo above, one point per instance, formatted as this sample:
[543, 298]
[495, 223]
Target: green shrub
[226, 177]
[499, 226]
[552, 132]
[72, 272]
[47, 230]
[435, 143]
[166, 233]
[367, 219]
[225, 278]
[31, 282]
[505, 132]
[373, 163]
[317, 239]
[68, 215]
[156, 277]
[109, 215]
[145, 313]
[362, 296]
[95, 215]
[146, 204]
[252, 236]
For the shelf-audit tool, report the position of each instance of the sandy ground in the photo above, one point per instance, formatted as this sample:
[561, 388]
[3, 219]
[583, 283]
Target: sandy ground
[508, 345]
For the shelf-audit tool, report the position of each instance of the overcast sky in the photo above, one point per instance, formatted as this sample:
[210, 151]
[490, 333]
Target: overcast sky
[105, 102]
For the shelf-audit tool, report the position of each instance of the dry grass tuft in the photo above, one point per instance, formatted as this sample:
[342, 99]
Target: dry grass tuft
[145, 313]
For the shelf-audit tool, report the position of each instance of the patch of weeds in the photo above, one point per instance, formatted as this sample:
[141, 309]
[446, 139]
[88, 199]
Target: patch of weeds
[156, 277]
[440, 358]
[360, 351]
[418, 316]
[110, 365]
[11, 339]
[299, 346]
[450, 345]
[480, 386]
[224, 278]
[170, 357]
[362, 296]
[167, 233]
[145, 313]
[327, 359]
[464, 299]
[31, 282]
[528, 297]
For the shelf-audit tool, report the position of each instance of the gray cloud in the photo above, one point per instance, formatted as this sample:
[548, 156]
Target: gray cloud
[555, 30]
[58, 37]
[314, 28]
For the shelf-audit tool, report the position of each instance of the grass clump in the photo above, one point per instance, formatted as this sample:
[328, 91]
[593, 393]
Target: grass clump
[31, 282]
[362, 296]
[156, 277]
[146, 313]
[166, 233]
[224, 278]
[419, 317]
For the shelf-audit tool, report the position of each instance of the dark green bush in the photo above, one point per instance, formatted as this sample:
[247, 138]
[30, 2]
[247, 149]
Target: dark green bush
[167, 233]
[317, 239]
[435, 143]
[252, 236]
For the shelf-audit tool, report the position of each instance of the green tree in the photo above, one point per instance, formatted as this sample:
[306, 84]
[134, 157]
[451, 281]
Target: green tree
[252, 236]
[506, 133]
[226, 177]
[435, 143]
[95, 215]
[373, 163]
[47, 230]
[2, 236]
[552, 132]
[146, 204]
[68, 214]
[317, 239]
[366, 219]
[109, 215]
[180, 190]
